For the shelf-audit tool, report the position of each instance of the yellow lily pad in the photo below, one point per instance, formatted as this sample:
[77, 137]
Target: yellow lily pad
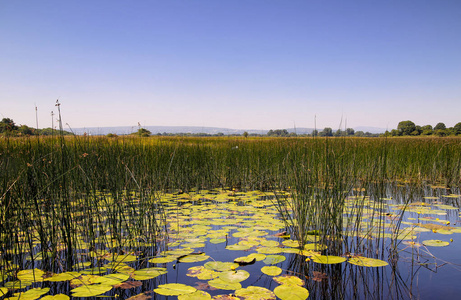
[234, 276]
[291, 292]
[271, 270]
[174, 289]
[435, 243]
[274, 259]
[367, 262]
[328, 259]
[90, 290]
[224, 285]
[56, 297]
[63, 276]
[289, 280]
[255, 293]
[197, 295]
[148, 273]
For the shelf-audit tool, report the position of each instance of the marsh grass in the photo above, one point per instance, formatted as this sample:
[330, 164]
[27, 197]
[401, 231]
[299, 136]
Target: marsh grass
[62, 197]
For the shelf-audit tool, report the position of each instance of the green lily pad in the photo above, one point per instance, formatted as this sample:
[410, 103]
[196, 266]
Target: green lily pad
[271, 270]
[90, 290]
[224, 285]
[83, 280]
[291, 292]
[31, 294]
[269, 250]
[197, 295]
[289, 280]
[63, 276]
[234, 276]
[112, 279]
[221, 266]
[217, 240]
[122, 258]
[245, 260]
[255, 293]
[162, 260]
[367, 262]
[33, 275]
[315, 247]
[328, 259]
[148, 273]
[194, 258]
[274, 259]
[257, 256]
[238, 247]
[291, 243]
[202, 273]
[174, 289]
[435, 243]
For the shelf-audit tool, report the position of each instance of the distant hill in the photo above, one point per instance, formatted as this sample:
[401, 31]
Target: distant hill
[121, 130]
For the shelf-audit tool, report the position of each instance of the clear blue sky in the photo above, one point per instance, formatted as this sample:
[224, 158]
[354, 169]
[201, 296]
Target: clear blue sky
[237, 64]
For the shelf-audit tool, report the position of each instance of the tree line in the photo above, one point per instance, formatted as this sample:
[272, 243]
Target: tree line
[404, 128]
[409, 128]
[9, 128]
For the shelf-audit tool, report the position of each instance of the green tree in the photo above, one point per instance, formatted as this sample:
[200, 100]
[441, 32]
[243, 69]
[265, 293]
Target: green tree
[26, 130]
[327, 131]
[315, 132]
[457, 129]
[143, 132]
[7, 125]
[245, 134]
[406, 127]
[440, 126]
[350, 131]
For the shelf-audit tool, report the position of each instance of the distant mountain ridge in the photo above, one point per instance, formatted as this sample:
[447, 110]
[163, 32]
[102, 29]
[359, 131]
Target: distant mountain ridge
[121, 130]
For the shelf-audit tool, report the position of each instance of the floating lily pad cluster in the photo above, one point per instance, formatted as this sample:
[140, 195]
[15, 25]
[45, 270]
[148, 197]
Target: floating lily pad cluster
[246, 226]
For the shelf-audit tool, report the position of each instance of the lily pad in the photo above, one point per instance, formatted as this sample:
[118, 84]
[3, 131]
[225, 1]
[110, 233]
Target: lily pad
[202, 273]
[224, 285]
[435, 243]
[291, 292]
[56, 297]
[274, 259]
[271, 270]
[63, 276]
[197, 295]
[255, 293]
[112, 279]
[289, 280]
[33, 275]
[367, 262]
[162, 260]
[328, 259]
[291, 243]
[174, 289]
[31, 294]
[90, 290]
[221, 266]
[245, 260]
[234, 276]
[217, 240]
[148, 273]
[83, 280]
[194, 258]
[238, 247]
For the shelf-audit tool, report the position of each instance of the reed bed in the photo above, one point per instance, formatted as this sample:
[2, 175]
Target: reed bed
[61, 196]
